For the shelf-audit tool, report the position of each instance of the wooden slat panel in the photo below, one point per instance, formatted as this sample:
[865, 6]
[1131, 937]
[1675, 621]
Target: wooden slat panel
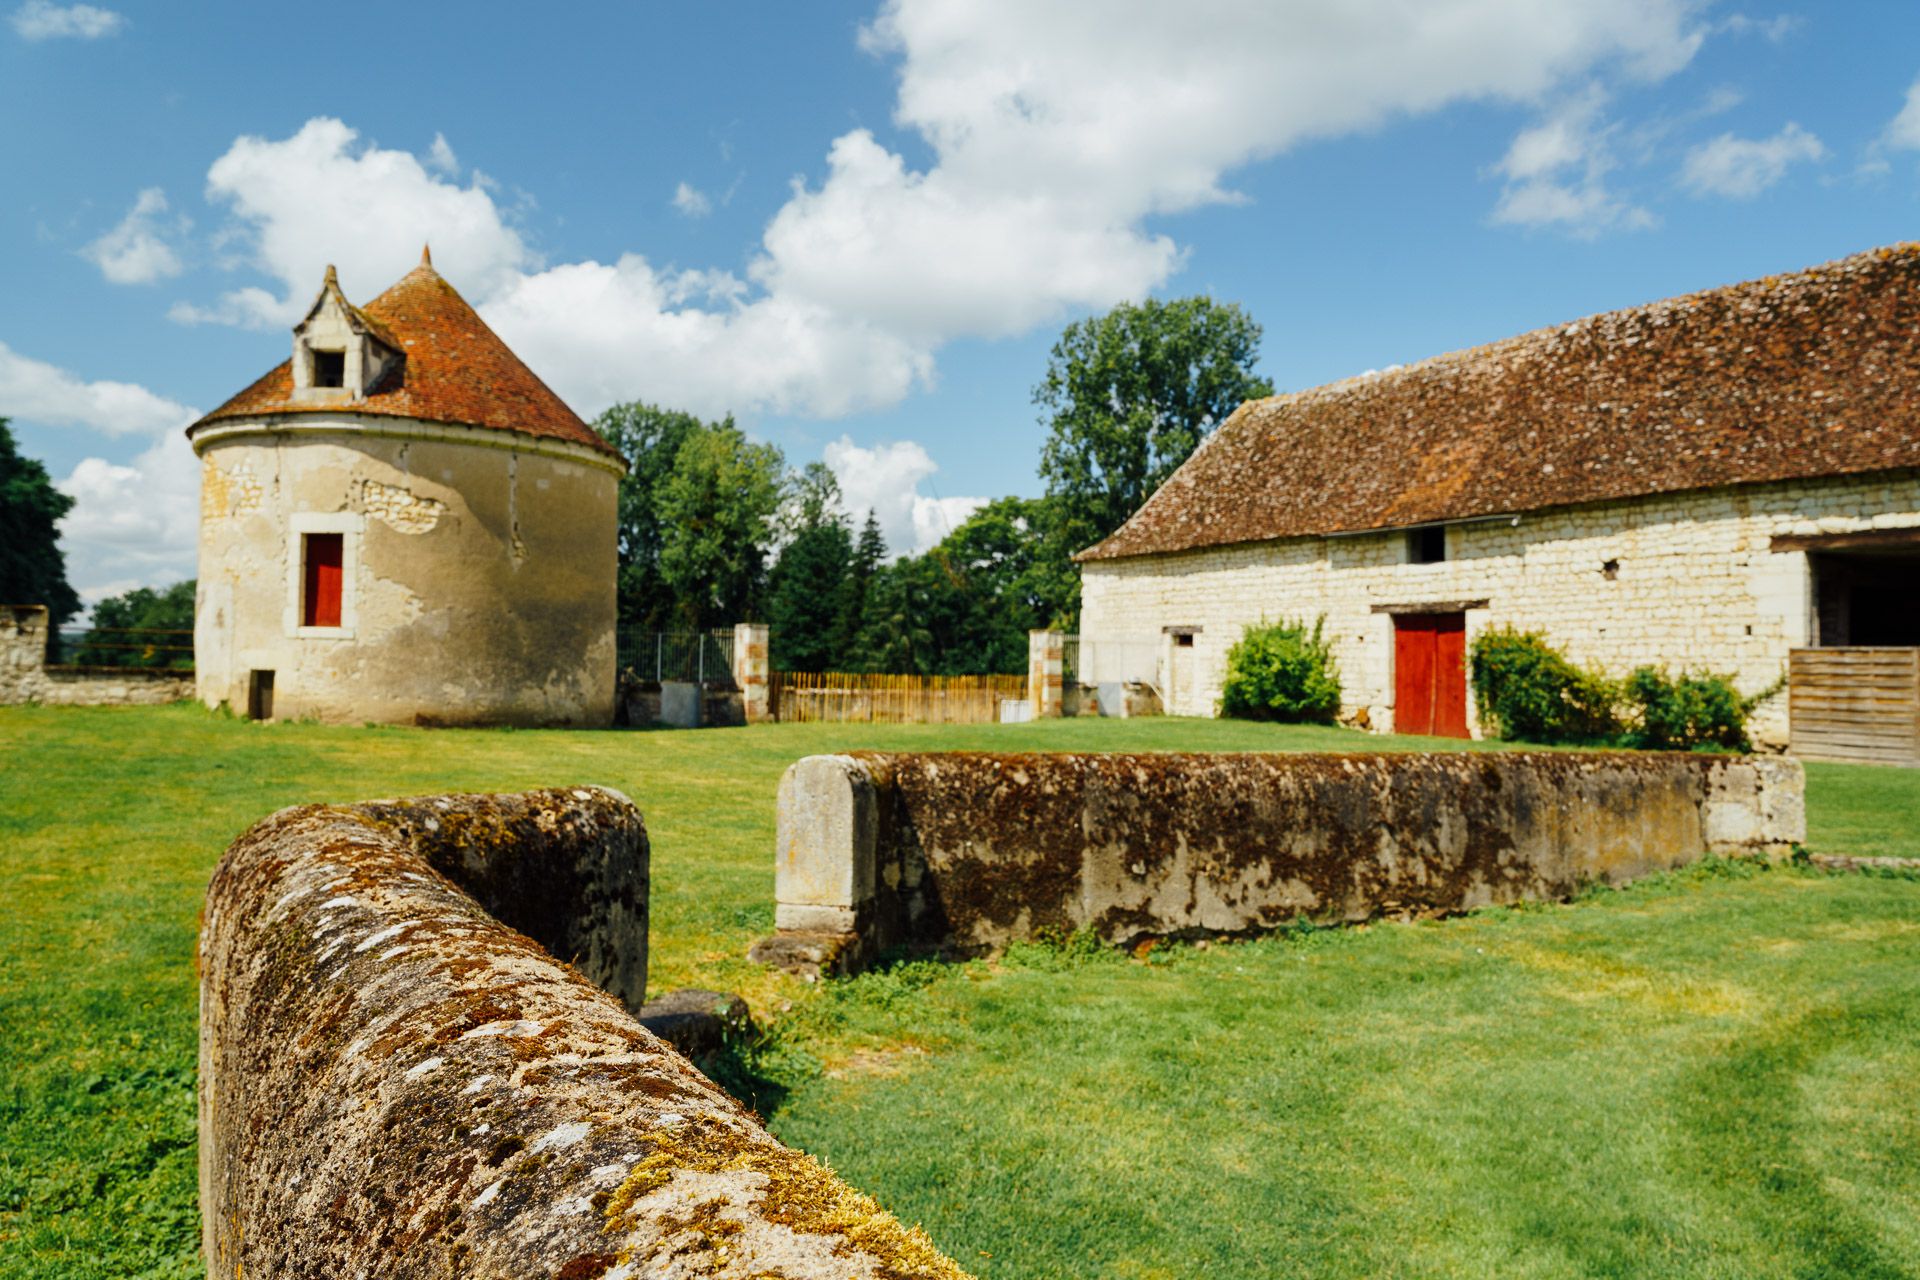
[1855, 704]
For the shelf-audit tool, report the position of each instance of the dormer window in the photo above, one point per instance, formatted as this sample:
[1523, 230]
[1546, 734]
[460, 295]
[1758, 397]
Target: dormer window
[340, 354]
[329, 368]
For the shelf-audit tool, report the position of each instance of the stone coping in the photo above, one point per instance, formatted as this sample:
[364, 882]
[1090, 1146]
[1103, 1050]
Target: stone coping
[396, 1081]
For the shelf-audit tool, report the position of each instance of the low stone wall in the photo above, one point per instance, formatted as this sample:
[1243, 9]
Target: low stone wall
[964, 852]
[25, 676]
[396, 1082]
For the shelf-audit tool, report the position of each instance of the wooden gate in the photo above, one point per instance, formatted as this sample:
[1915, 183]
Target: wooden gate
[1858, 704]
[1430, 674]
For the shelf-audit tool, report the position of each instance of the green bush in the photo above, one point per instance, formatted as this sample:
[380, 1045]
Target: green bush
[1689, 712]
[1526, 690]
[1282, 671]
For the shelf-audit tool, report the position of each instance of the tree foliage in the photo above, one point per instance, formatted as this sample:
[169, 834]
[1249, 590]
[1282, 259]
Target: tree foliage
[1128, 397]
[808, 587]
[32, 568]
[696, 513]
[716, 510]
[141, 628]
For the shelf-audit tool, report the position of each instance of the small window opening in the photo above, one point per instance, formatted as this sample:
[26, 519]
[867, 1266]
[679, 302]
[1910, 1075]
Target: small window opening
[1427, 546]
[322, 556]
[329, 368]
[1183, 639]
[1610, 570]
[260, 695]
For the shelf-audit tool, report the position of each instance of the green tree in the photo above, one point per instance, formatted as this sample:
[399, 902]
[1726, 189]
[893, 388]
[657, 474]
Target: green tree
[869, 556]
[1128, 396]
[716, 511]
[142, 628]
[32, 569]
[649, 438]
[807, 588]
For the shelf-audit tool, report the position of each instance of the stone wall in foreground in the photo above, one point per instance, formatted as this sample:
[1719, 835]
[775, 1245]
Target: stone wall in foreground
[25, 676]
[399, 1076]
[965, 852]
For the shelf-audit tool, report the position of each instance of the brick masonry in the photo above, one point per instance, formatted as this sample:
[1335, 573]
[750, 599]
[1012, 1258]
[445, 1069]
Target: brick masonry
[1685, 581]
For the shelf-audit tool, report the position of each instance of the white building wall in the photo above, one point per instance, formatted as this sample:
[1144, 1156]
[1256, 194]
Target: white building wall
[1695, 587]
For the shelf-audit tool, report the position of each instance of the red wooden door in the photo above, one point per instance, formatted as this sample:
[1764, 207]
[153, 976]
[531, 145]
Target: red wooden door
[324, 557]
[1430, 674]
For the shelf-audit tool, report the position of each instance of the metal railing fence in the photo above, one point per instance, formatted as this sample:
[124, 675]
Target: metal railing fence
[699, 657]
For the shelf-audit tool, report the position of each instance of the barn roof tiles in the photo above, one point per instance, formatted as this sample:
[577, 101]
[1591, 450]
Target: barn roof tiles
[1798, 376]
[456, 370]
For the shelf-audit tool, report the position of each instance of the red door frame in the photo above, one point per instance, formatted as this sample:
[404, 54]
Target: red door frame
[325, 553]
[1430, 674]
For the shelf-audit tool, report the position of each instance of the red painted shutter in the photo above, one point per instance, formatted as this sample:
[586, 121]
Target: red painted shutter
[325, 552]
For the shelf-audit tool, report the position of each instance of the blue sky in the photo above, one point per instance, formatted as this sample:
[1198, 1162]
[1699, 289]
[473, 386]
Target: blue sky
[859, 227]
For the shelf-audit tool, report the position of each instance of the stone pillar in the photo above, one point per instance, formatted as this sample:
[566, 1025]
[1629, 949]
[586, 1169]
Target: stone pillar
[23, 652]
[750, 666]
[1046, 667]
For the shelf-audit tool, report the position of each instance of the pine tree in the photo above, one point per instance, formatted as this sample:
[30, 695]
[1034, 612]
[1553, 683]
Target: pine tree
[868, 555]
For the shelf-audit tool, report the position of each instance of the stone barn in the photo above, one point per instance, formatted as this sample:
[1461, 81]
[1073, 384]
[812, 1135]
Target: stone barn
[403, 524]
[1711, 482]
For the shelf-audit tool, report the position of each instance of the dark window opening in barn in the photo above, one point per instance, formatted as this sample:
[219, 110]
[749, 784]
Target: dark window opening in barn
[1868, 598]
[322, 558]
[329, 368]
[1183, 639]
[1610, 570]
[1427, 546]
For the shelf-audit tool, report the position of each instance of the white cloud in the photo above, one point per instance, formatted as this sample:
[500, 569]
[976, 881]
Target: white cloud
[136, 251]
[1773, 30]
[691, 201]
[440, 157]
[1056, 131]
[1741, 168]
[322, 196]
[41, 20]
[1903, 131]
[36, 391]
[886, 480]
[1556, 173]
[132, 525]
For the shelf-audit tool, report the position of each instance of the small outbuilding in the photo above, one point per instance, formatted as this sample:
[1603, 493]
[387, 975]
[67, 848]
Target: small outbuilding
[1714, 481]
[403, 524]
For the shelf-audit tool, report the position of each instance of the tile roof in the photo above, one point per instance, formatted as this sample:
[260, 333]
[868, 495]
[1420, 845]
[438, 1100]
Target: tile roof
[1796, 376]
[456, 370]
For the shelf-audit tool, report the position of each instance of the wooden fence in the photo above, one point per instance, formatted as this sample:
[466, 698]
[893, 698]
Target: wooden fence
[1855, 704]
[890, 699]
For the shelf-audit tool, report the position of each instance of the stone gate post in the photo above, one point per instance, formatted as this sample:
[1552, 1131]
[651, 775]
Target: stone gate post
[1046, 670]
[750, 667]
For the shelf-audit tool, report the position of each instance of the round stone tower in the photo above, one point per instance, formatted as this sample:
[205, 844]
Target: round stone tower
[403, 524]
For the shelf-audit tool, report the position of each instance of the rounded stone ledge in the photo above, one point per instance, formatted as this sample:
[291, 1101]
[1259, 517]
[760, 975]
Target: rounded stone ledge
[395, 1083]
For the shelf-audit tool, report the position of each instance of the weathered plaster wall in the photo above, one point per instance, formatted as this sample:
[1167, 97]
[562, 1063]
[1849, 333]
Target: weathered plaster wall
[479, 583]
[394, 1082]
[1694, 585]
[965, 852]
[25, 677]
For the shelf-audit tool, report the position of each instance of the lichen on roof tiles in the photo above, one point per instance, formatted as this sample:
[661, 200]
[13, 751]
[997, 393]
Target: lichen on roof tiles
[1796, 376]
[457, 370]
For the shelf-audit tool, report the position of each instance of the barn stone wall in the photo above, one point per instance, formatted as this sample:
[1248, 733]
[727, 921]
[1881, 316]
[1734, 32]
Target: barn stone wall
[399, 1076]
[25, 676]
[1685, 580]
[966, 852]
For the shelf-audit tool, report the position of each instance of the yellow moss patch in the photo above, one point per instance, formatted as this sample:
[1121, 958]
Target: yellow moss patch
[800, 1194]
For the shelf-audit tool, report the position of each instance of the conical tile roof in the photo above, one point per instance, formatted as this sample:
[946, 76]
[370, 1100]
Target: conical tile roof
[457, 370]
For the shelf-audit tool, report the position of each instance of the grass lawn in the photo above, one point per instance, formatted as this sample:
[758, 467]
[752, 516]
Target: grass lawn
[1706, 1075]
